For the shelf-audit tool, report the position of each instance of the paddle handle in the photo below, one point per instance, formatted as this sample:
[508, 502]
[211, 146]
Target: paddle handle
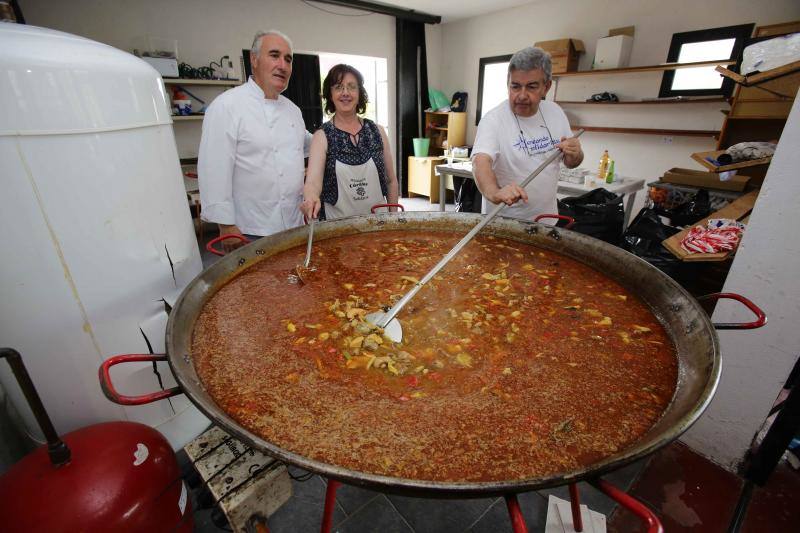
[310, 240]
[463, 242]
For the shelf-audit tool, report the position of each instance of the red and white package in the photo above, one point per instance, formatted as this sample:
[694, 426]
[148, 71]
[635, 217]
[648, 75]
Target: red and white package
[711, 240]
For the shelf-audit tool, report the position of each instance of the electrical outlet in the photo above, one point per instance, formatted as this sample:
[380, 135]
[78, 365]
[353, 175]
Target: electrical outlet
[667, 140]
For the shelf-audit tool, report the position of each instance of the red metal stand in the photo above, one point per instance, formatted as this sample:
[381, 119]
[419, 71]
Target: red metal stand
[575, 503]
[515, 513]
[517, 520]
[330, 503]
[630, 503]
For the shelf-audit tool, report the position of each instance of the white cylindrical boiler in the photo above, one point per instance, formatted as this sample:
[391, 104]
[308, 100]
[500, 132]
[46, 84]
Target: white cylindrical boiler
[97, 225]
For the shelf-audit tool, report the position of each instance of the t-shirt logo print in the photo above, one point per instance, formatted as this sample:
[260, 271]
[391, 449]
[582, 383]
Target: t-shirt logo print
[361, 191]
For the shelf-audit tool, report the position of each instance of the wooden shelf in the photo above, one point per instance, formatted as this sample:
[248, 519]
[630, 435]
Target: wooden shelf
[440, 128]
[649, 68]
[754, 79]
[645, 102]
[700, 157]
[649, 131]
[183, 81]
[181, 118]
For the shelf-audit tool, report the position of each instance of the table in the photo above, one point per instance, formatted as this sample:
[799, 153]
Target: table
[628, 187]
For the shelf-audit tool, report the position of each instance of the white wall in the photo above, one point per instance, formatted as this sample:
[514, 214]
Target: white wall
[464, 42]
[208, 29]
[756, 363]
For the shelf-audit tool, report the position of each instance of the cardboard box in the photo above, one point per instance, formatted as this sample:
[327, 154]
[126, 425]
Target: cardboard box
[613, 52]
[709, 180]
[564, 53]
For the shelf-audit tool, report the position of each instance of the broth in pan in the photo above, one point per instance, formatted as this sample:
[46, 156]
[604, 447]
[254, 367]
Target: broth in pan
[516, 362]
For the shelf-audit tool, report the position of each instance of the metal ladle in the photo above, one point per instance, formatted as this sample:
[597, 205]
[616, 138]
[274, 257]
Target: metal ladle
[387, 321]
[302, 270]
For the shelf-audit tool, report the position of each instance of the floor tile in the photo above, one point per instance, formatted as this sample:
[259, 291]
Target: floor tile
[352, 498]
[439, 516]
[688, 493]
[775, 505]
[377, 516]
[303, 511]
[497, 520]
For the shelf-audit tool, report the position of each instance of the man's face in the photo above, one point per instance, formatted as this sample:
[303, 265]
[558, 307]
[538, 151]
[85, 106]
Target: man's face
[273, 66]
[526, 88]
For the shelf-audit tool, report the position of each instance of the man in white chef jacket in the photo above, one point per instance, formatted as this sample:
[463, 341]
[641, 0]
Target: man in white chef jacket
[518, 135]
[250, 164]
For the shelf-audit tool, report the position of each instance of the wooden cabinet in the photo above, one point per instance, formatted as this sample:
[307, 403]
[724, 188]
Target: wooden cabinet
[422, 179]
[445, 129]
[759, 109]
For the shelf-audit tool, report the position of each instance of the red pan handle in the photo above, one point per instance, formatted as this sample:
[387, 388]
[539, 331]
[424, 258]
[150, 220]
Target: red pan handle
[112, 394]
[212, 242]
[378, 206]
[570, 220]
[192, 175]
[761, 318]
[630, 503]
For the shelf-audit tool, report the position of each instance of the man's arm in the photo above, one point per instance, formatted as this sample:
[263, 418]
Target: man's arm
[215, 165]
[573, 153]
[486, 180]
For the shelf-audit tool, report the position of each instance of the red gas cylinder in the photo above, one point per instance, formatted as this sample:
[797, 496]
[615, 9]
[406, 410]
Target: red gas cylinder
[123, 476]
[116, 476]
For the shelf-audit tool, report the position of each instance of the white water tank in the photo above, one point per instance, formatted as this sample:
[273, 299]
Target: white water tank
[97, 228]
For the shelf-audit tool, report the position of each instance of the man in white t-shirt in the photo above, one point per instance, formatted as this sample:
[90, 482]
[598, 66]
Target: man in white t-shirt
[250, 163]
[518, 135]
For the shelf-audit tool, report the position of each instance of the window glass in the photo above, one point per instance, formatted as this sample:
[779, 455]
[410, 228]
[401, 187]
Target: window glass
[701, 77]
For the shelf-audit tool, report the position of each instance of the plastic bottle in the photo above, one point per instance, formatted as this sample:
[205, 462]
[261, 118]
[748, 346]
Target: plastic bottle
[610, 173]
[602, 171]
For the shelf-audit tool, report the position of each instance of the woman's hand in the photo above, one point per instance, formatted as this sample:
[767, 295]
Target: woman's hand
[310, 207]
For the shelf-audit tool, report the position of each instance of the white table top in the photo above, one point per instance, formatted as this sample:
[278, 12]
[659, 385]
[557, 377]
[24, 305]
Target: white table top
[621, 185]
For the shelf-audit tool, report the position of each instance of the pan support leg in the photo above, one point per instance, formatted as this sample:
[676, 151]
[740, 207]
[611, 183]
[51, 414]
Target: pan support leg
[515, 513]
[330, 504]
[575, 503]
[651, 521]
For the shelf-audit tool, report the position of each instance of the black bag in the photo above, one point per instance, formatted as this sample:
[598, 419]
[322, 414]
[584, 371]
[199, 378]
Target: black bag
[698, 208]
[467, 196]
[643, 238]
[459, 102]
[598, 213]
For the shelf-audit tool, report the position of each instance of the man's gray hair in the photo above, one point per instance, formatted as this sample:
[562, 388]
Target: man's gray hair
[531, 58]
[256, 48]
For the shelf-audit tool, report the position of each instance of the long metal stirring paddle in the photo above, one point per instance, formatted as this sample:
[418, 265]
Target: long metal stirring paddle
[387, 321]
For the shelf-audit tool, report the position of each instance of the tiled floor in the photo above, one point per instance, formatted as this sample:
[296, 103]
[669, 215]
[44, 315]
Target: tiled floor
[360, 510]
[691, 494]
[687, 492]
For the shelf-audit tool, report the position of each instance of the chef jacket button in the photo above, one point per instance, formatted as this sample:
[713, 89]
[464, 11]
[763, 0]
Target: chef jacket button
[280, 173]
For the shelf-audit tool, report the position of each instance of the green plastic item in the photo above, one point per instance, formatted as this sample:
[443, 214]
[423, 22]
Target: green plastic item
[610, 173]
[421, 146]
[437, 99]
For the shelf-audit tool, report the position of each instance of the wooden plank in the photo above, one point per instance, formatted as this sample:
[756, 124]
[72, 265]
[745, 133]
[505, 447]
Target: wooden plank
[649, 131]
[755, 79]
[648, 68]
[736, 210]
[184, 81]
[645, 102]
[700, 157]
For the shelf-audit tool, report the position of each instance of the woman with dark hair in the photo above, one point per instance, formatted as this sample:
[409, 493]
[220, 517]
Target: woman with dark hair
[350, 165]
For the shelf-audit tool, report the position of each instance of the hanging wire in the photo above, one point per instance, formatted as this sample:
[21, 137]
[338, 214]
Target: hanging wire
[309, 4]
